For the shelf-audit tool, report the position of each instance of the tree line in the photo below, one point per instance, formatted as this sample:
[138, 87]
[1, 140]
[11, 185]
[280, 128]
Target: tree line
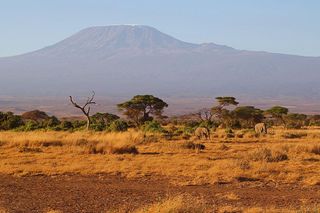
[146, 112]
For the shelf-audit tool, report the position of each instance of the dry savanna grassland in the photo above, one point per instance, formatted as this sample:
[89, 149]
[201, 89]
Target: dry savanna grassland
[287, 160]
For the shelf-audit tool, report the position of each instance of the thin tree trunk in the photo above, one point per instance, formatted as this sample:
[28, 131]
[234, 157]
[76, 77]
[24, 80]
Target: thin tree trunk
[85, 108]
[88, 122]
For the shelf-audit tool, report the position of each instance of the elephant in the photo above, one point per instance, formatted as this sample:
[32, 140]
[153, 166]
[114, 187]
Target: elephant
[260, 128]
[202, 133]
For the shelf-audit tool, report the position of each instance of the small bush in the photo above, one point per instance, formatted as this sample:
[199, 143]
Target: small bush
[66, 125]
[30, 149]
[268, 155]
[127, 149]
[81, 142]
[167, 135]
[315, 149]
[279, 156]
[30, 125]
[191, 145]
[9, 121]
[229, 133]
[108, 148]
[152, 126]
[149, 139]
[98, 126]
[51, 143]
[118, 126]
[261, 155]
[244, 164]
[294, 135]
[248, 133]
[78, 124]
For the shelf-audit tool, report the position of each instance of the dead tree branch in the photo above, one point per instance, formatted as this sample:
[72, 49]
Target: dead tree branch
[85, 109]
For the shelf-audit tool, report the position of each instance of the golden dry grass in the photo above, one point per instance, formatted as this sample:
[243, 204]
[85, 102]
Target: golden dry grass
[177, 204]
[268, 158]
[186, 203]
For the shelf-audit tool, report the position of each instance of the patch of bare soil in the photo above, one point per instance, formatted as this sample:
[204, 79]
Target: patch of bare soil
[99, 193]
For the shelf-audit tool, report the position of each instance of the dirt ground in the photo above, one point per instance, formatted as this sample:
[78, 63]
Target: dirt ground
[99, 193]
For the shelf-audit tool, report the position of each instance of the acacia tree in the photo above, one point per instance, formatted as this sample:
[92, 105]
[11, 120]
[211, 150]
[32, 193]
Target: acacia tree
[85, 109]
[295, 120]
[278, 112]
[226, 101]
[219, 111]
[140, 108]
[248, 116]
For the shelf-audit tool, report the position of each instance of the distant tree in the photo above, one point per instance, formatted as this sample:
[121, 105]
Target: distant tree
[295, 120]
[85, 109]
[100, 121]
[31, 125]
[248, 116]
[66, 125]
[278, 112]
[35, 115]
[219, 111]
[314, 120]
[141, 108]
[39, 120]
[118, 126]
[9, 121]
[105, 118]
[226, 101]
[51, 122]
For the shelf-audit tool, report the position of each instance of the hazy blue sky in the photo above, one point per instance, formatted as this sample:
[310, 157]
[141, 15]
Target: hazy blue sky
[285, 26]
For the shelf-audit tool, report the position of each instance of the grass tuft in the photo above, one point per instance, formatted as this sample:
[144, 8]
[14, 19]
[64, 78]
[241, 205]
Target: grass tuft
[268, 155]
[289, 135]
[192, 145]
[315, 149]
[177, 204]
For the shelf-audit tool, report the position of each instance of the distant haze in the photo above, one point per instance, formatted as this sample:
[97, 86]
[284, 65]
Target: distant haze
[126, 60]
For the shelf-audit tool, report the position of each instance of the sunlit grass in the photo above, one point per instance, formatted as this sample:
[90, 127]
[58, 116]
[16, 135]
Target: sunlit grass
[134, 154]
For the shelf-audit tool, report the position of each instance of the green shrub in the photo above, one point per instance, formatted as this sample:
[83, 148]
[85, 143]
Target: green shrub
[9, 121]
[118, 126]
[98, 126]
[152, 126]
[77, 124]
[66, 125]
[31, 125]
[51, 122]
[208, 124]
[188, 130]
[101, 121]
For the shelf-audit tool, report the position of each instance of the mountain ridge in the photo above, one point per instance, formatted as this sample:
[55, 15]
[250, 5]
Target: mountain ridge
[126, 60]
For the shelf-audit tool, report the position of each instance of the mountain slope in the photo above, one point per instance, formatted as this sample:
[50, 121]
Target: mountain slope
[126, 60]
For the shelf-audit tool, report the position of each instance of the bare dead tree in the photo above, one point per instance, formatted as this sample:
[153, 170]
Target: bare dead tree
[205, 114]
[85, 109]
